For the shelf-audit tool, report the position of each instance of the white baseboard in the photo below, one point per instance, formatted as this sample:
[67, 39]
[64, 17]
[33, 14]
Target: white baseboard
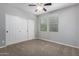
[46, 40]
[61, 43]
[15, 43]
[3, 46]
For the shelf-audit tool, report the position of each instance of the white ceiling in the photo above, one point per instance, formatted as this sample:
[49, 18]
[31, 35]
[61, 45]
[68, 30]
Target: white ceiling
[31, 9]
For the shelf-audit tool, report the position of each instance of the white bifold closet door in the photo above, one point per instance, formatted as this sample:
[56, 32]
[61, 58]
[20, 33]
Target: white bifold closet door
[18, 29]
[31, 32]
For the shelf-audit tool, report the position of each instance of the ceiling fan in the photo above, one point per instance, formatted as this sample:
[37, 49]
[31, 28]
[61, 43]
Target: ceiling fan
[40, 6]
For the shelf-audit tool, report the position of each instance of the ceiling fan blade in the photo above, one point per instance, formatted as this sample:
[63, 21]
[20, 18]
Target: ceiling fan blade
[44, 9]
[31, 5]
[47, 4]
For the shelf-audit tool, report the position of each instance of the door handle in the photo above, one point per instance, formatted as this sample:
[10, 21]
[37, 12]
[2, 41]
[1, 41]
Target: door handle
[6, 31]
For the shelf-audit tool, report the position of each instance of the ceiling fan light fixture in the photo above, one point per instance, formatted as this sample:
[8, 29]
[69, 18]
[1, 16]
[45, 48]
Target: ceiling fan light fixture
[39, 8]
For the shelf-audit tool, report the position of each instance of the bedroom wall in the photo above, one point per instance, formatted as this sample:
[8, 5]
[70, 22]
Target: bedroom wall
[67, 29]
[78, 26]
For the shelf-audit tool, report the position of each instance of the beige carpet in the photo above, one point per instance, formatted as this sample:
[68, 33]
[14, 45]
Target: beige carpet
[38, 47]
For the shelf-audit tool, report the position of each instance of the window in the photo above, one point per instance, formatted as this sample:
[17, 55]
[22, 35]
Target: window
[49, 24]
[53, 24]
[43, 25]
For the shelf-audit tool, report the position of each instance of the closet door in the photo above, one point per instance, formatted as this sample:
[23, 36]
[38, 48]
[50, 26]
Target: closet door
[16, 29]
[31, 32]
